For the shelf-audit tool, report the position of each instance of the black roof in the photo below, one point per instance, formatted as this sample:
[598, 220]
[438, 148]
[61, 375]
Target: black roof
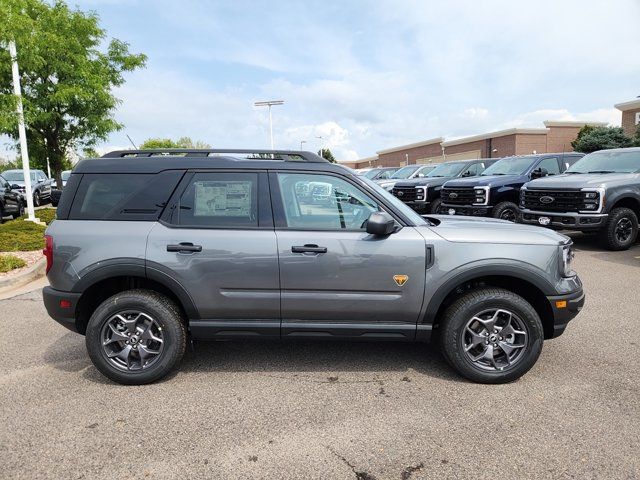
[157, 160]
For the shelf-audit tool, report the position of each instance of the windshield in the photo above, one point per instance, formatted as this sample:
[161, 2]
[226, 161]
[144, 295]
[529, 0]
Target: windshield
[447, 170]
[14, 176]
[371, 173]
[509, 166]
[405, 172]
[398, 204]
[608, 162]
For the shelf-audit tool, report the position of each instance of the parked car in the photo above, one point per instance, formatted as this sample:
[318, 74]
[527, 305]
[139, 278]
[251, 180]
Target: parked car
[600, 194]
[144, 255]
[379, 173]
[11, 202]
[405, 173]
[496, 192]
[65, 176]
[40, 184]
[423, 194]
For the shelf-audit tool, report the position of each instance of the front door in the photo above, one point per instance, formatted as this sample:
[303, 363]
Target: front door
[337, 280]
[217, 241]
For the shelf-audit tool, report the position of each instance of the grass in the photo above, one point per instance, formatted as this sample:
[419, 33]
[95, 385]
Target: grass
[20, 236]
[10, 262]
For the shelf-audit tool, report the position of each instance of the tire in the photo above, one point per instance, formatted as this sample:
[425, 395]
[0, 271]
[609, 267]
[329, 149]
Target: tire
[1, 214]
[139, 308]
[435, 205]
[20, 211]
[455, 337]
[620, 220]
[36, 199]
[507, 211]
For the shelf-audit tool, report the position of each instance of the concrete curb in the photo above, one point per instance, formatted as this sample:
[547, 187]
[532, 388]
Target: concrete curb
[34, 272]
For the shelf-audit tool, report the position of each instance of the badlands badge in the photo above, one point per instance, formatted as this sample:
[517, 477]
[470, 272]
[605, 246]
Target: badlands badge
[400, 279]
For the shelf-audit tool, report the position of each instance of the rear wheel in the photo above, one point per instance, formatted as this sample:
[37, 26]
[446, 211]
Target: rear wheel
[136, 337]
[621, 229]
[507, 211]
[491, 335]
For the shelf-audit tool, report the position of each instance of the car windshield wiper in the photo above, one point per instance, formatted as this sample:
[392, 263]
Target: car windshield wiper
[573, 173]
[601, 171]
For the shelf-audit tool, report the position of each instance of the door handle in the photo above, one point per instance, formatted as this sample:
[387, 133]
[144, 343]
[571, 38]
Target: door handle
[309, 248]
[184, 247]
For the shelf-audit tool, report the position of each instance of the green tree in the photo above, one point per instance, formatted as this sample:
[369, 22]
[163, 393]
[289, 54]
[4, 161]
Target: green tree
[67, 74]
[327, 155]
[600, 138]
[636, 137]
[182, 142]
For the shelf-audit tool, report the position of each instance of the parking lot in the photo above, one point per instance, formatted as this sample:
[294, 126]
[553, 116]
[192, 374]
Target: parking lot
[331, 410]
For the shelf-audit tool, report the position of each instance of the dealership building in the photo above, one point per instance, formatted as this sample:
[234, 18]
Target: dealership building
[556, 136]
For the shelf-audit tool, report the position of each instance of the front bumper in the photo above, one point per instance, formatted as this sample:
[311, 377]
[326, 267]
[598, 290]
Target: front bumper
[467, 210]
[564, 308]
[566, 220]
[65, 316]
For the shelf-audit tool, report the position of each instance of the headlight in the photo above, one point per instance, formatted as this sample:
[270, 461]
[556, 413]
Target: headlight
[421, 193]
[567, 261]
[592, 200]
[481, 195]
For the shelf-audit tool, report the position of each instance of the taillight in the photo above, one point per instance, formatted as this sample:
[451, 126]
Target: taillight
[48, 251]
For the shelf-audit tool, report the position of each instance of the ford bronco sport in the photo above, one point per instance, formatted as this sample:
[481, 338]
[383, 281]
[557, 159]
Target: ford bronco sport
[153, 247]
[600, 194]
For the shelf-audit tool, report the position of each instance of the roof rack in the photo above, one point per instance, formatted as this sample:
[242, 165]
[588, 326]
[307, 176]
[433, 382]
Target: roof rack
[252, 154]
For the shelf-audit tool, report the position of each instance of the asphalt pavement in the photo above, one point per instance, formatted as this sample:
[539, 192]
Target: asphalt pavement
[331, 410]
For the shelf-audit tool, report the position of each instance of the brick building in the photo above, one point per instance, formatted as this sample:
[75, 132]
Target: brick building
[630, 116]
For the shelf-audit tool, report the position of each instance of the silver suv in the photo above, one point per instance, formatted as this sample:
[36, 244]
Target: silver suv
[152, 248]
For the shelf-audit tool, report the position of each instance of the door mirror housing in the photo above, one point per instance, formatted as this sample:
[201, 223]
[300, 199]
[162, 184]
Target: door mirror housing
[381, 224]
[539, 173]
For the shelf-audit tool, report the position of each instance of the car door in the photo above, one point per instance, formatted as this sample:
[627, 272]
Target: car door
[10, 198]
[336, 279]
[216, 240]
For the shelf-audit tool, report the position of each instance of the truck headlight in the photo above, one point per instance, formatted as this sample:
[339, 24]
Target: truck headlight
[481, 196]
[592, 200]
[567, 261]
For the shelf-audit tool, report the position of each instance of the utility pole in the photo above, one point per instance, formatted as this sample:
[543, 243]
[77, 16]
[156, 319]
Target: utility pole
[302, 142]
[22, 133]
[269, 103]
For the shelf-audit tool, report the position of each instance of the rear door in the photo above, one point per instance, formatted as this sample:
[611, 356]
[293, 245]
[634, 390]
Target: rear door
[336, 279]
[216, 239]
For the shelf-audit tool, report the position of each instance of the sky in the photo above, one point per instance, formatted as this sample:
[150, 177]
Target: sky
[368, 75]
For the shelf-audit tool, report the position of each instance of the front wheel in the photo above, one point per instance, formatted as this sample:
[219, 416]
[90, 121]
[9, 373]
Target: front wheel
[20, 211]
[136, 337]
[620, 230]
[507, 211]
[36, 199]
[491, 335]
[435, 205]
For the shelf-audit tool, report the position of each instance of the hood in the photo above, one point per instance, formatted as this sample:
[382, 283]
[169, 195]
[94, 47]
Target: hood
[418, 182]
[487, 181]
[491, 230]
[583, 180]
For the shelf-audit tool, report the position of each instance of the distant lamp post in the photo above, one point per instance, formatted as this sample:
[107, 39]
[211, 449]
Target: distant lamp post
[269, 103]
[301, 143]
[321, 145]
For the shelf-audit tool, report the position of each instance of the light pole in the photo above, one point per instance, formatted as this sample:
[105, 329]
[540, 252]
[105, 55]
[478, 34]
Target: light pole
[302, 142]
[22, 133]
[321, 145]
[269, 103]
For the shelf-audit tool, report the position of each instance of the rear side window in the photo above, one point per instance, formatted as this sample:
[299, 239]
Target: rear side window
[123, 196]
[223, 200]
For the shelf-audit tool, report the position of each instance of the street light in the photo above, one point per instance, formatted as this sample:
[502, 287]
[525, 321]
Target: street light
[301, 142]
[269, 103]
[321, 147]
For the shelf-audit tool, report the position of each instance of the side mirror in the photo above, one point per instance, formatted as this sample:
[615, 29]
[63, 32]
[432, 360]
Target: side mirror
[420, 175]
[381, 224]
[15, 186]
[539, 173]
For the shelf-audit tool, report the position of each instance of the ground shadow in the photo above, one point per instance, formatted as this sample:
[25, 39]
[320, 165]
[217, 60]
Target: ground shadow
[590, 243]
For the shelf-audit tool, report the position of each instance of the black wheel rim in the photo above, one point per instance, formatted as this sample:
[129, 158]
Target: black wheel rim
[624, 230]
[508, 214]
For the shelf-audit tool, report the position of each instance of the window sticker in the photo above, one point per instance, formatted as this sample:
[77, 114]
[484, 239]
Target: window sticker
[222, 199]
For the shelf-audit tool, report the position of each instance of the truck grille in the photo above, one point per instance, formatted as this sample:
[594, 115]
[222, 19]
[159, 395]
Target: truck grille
[406, 194]
[552, 200]
[459, 196]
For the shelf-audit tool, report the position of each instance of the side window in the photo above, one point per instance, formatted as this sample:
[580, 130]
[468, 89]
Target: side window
[384, 175]
[473, 170]
[225, 200]
[569, 160]
[551, 165]
[323, 202]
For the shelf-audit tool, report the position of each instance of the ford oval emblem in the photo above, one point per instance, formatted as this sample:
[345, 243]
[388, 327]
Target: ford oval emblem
[453, 195]
[401, 194]
[546, 199]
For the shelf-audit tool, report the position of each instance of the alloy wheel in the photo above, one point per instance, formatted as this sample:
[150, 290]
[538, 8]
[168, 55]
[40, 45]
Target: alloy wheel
[508, 214]
[132, 340]
[494, 339]
[623, 230]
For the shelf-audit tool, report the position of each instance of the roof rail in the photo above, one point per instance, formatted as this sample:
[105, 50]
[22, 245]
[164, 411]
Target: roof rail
[253, 154]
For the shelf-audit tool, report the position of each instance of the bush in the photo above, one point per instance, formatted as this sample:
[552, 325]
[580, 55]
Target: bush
[46, 215]
[10, 262]
[19, 236]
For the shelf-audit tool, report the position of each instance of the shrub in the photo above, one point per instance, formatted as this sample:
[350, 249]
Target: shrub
[10, 262]
[47, 215]
[18, 235]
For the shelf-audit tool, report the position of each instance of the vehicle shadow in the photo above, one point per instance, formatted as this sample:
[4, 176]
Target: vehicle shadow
[68, 354]
[589, 243]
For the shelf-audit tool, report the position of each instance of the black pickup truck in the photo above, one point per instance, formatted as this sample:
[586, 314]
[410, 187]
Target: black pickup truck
[495, 193]
[600, 193]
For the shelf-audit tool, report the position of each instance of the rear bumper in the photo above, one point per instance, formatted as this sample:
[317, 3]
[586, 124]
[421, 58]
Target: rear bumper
[562, 315]
[571, 221]
[468, 210]
[65, 316]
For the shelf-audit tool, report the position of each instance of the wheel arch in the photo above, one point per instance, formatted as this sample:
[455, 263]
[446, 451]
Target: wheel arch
[627, 201]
